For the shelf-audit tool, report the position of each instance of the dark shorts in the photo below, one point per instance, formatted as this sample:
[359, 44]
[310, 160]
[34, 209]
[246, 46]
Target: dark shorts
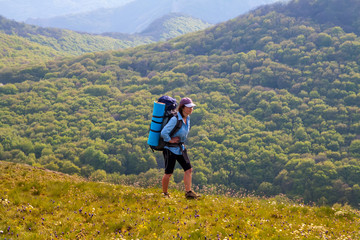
[171, 158]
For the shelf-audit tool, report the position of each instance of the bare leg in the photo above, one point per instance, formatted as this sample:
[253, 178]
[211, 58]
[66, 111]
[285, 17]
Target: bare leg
[187, 179]
[165, 182]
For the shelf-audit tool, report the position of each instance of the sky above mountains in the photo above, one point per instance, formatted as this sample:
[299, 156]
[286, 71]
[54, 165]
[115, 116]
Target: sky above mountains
[121, 16]
[21, 10]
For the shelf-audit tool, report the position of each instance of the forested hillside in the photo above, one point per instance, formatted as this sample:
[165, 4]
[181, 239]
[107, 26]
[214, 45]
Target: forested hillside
[63, 42]
[278, 107]
[20, 51]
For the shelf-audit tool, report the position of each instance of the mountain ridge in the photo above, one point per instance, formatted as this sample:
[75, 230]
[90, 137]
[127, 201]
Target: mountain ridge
[53, 37]
[173, 25]
[322, 12]
[61, 42]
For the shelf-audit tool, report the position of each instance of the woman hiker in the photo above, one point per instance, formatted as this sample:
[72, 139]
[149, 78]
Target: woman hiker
[175, 151]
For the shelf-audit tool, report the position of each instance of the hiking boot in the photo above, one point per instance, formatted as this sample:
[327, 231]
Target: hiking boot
[166, 195]
[191, 195]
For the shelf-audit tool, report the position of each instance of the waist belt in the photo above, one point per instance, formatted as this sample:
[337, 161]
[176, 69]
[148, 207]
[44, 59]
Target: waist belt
[174, 144]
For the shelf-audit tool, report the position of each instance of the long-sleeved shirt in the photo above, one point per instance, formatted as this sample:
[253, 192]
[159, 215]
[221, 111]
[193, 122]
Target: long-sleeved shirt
[182, 133]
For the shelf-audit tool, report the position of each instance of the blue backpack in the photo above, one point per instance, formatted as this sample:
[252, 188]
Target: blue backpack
[170, 106]
[170, 103]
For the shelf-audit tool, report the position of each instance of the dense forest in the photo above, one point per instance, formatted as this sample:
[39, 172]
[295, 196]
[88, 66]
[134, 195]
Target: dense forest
[278, 106]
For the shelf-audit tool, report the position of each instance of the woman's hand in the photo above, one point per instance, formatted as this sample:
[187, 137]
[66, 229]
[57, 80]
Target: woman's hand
[175, 140]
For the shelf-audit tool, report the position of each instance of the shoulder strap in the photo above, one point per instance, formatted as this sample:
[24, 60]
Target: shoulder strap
[177, 127]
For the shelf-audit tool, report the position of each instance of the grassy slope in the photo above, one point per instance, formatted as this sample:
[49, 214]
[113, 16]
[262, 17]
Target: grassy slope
[39, 204]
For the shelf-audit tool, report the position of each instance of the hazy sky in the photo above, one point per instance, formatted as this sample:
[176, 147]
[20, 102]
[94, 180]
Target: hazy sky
[21, 10]
[98, 16]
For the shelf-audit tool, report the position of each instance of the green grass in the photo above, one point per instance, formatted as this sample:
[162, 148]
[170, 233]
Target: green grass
[40, 204]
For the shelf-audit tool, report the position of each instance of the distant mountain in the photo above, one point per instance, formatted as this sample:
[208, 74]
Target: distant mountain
[131, 18]
[23, 43]
[72, 42]
[137, 15]
[20, 10]
[167, 27]
[173, 25]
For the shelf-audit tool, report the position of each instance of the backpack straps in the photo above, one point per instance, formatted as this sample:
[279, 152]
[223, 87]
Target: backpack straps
[177, 127]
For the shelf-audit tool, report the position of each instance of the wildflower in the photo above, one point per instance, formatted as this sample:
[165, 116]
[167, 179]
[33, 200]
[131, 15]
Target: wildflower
[339, 213]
